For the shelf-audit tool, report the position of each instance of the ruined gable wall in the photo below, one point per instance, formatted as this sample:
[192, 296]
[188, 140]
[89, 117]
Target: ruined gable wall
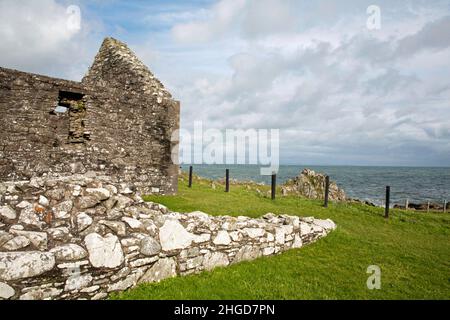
[127, 135]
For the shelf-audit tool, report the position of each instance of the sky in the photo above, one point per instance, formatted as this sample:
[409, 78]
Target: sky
[340, 93]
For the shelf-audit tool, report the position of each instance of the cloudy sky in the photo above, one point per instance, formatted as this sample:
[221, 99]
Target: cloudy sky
[340, 92]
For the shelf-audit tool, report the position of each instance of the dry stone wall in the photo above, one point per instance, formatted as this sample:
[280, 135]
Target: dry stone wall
[85, 236]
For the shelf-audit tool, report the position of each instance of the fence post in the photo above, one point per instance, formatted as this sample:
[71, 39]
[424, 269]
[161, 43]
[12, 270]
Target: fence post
[190, 176]
[274, 185]
[407, 204]
[388, 196]
[428, 207]
[227, 180]
[445, 206]
[327, 191]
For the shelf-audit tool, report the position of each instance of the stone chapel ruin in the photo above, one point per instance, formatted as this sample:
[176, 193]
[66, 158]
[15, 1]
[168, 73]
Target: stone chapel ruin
[118, 121]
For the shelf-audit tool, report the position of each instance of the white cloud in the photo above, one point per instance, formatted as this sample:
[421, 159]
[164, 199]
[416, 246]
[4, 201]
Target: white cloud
[39, 36]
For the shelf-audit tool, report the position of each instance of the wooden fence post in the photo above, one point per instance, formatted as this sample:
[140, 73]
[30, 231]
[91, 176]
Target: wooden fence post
[407, 204]
[227, 180]
[445, 206]
[190, 176]
[388, 196]
[428, 207]
[274, 185]
[327, 191]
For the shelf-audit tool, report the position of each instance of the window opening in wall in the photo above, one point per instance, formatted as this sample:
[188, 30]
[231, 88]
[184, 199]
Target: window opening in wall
[73, 104]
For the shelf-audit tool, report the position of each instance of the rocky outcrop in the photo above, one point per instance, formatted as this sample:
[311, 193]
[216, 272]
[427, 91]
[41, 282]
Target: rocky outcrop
[311, 185]
[84, 237]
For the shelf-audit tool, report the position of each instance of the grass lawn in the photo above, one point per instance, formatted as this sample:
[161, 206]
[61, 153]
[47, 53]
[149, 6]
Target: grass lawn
[412, 250]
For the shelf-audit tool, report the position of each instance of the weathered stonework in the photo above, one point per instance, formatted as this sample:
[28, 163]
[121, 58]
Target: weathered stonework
[115, 240]
[118, 121]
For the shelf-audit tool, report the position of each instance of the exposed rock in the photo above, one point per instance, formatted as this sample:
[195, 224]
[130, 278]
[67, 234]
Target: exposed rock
[163, 269]
[312, 185]
[104, 251]
[20, 265]
[69, 252]
[174, 236]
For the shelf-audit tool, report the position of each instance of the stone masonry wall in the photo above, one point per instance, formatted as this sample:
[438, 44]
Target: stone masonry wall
[125, 132]
[83, 237]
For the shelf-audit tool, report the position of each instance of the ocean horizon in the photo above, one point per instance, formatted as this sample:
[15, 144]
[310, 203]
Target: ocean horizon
[366, 183]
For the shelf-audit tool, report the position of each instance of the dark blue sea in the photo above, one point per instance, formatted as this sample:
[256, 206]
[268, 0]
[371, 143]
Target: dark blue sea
[419, 185]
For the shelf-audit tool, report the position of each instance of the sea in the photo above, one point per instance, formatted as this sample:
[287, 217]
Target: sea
[417, 184]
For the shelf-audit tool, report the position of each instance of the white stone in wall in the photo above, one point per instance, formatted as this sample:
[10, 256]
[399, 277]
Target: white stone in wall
[23, 205]
[62, 210]
[133, 223]
[20, 265]
[8, 213]
[268, 251]
[149, 246]
[60, 233]
[173, 236]
[6, 291]
[305, 228]
[298, 243]
[222, 238]
[38, 239]
[43, 201]
[254, 232]
[69, 252]
[104, 251]
[83, 221]
[16, 243]
[326, 224]
[77, 282]
[247, 252]
[28, 216]
[118, 227]
[280, 235]
[128, 282]
[205, 237]
[163, 269]
[99, 193]
[215, 259]
[41, 294]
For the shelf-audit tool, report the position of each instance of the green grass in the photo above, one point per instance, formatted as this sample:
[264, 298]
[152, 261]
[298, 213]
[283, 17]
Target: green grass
[412, 250]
